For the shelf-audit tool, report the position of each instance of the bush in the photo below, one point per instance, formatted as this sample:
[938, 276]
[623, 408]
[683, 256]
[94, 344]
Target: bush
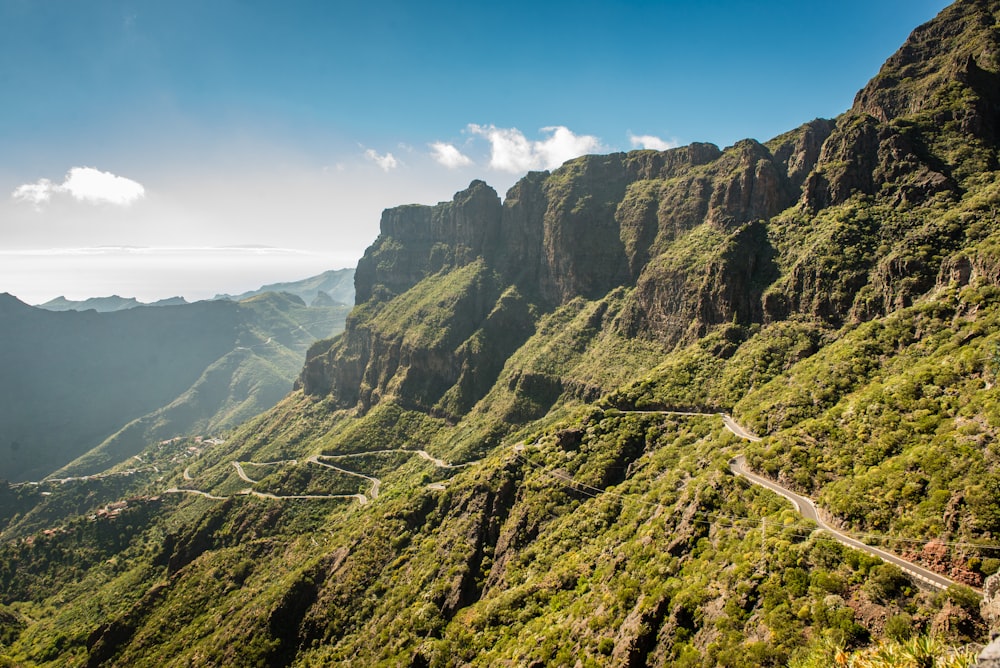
[899, 627]
[887, 581]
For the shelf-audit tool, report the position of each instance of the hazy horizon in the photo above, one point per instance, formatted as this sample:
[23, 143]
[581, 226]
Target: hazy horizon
[151, 274]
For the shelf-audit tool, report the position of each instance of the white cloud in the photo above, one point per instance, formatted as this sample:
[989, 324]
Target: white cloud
[449, 156]
[511, 151]
[385, 162]
[652, 141]
[84, 184]
[36, 193]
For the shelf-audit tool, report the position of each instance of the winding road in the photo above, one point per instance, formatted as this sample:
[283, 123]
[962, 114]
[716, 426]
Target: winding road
[376, 483]
[242, 474]
[362, 499]
[807, 509]
[804, 505]
[735, 427]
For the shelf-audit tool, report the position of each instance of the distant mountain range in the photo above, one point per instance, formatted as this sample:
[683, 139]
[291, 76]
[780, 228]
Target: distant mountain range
[105, 304]
[329, 288]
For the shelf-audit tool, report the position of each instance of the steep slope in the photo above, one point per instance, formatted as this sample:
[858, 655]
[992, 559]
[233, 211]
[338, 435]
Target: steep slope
[512, 456]
[70, 378]
[680, 225]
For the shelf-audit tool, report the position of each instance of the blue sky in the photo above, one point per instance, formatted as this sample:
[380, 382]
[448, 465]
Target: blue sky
[193, 125]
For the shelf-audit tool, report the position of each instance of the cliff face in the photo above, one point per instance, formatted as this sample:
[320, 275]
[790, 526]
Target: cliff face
[957, 51]
[416, 241]
[830, 220]
[596, 224]
[928, 119]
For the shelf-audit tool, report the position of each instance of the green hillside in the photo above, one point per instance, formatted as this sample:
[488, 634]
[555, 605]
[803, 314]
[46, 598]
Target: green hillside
[515, 453]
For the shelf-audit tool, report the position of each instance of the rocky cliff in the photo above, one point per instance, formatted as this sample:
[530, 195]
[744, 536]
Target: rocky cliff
[512, 455]
[832, 220]
[683, 227]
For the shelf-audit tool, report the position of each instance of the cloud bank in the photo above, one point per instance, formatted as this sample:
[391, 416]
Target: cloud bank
[511, 151]
[84, 184]
[651, 141]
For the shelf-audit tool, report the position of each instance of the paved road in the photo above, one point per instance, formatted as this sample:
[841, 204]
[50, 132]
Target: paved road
[807, 508]
[738, 429]
[362, 499]
[376, 483]
[242, 474]
[731, 424]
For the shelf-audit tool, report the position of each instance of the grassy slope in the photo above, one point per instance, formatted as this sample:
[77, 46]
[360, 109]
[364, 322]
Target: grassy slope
[653, 552]
[660, 553]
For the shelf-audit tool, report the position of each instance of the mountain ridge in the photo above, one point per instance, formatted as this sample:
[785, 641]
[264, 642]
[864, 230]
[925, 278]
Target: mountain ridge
[836, 287]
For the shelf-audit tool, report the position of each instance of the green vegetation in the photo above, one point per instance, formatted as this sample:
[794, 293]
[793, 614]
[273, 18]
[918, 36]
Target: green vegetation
[529, 465]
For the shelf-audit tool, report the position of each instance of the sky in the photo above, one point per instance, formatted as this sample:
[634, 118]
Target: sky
[196, 147]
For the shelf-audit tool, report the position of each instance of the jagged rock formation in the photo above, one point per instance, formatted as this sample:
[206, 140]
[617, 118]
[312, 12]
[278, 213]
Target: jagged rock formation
[990, 605]
[596, 224]
[700, 236]
[836, 288]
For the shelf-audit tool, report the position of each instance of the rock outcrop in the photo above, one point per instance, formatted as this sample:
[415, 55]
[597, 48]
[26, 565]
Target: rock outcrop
[416, 241]
[990, 611]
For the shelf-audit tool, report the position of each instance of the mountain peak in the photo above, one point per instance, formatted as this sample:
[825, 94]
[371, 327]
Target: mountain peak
[9, 303]
[956, 52]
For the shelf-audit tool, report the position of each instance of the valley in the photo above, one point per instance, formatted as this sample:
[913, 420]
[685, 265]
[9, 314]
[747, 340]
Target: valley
[162, 370]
